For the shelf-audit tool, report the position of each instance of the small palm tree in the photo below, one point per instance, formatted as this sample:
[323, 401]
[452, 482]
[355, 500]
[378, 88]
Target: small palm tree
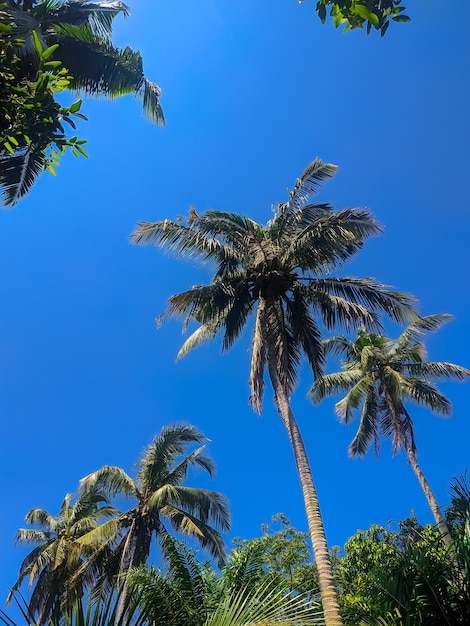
[381, 376]
[161, 498]
[280, 273]
[60, 553]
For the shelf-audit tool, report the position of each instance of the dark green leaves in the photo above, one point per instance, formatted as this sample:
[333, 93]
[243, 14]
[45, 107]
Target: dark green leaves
[371, 14]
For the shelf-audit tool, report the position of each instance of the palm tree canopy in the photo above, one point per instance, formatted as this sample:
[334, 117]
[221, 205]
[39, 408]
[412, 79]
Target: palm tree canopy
[198, 513]
[83, 32]
[380, 375]
[63, 544]
[282, 271]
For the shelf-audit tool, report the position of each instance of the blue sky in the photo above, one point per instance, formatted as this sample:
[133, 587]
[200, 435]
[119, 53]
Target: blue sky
[252, 91]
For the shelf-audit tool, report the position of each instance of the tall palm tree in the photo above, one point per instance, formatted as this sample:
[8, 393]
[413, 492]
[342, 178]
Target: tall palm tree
[162, 498]
[79, 35]
[381, 376]
[59, 553]
[280, 272]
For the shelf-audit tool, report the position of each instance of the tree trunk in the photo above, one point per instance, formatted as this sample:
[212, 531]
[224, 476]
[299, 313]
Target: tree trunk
[407, 441]
[425, 486]
[328, 590]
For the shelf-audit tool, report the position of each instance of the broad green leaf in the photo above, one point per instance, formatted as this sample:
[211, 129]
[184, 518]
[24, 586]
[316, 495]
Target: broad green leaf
[48, 51]
[75, 106]
[37, 43]
[364, 12]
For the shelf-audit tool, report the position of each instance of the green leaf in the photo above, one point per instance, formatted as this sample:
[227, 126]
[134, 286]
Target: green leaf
[51, 65]
[75, 106]
[81, 150]
[401, 18]
[321, 10]
[37, 43]
[364, 12]
[48, 52]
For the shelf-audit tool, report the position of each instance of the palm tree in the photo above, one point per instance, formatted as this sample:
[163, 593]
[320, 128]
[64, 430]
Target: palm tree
[380, 376]
[191, 593]
[161, 497]
[79, 35]
[279, 272]
[63, 544]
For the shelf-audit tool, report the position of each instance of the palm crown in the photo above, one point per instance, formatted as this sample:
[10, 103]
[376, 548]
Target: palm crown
[283, 268]
[380, 377]
[161, 497]
[63, 545]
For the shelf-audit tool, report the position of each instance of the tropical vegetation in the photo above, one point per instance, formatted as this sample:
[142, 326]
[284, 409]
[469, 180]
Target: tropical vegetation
[380, 377]
[91, 543]
[281, 273]
[371, 14]
[46, 47]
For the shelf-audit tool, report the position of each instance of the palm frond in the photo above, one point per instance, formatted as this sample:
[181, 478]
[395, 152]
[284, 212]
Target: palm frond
[109, 479]
[192, 526]
[331, 384]
[367, 433]
[353, 399]
[314, 175]
[438, 371]
[177, 474]
[43, 519]
[370, 294]
[201, 335]
[157, 458]
[210, 506]
[98, 16]
[18, 174]
[177, 238]
[305, 331]
[426, 394]
[268, 605]
[417, 329]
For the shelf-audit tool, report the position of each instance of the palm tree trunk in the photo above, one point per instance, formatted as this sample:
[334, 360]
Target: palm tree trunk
[425, 486]
[406, 439]
[328, 590]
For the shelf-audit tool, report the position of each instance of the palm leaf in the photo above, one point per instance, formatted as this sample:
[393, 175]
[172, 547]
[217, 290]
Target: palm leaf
[18, 174]
[268, 605]
[438, 371]
[330, 384]
[314, 175]
[109, 479]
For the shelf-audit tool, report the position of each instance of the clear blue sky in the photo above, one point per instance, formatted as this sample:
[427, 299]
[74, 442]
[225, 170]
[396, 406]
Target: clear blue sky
[252, 91]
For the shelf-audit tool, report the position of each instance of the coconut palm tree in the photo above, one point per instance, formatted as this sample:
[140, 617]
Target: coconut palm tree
[380, 376]
[60, 553]
[161, 498]
[280, 272]
[76, 34]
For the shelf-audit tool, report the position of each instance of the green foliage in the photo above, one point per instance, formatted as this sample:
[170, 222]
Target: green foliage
[161, 499]
[407, 577]
[371, 14]
[282, 554]
[33, 135]
[64, 546]
[45, 48]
